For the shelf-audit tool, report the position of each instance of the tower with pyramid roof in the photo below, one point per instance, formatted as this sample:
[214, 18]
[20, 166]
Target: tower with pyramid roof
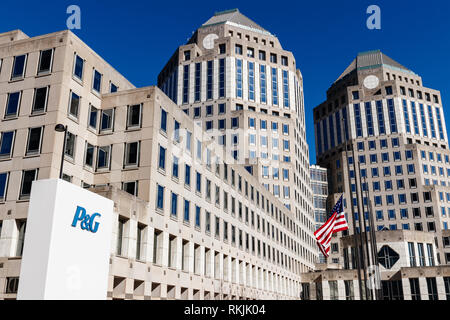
[237, 82]
[390, 129]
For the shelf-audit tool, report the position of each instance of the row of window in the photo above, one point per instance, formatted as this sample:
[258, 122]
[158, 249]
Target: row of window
[202, 216]
[45, 64]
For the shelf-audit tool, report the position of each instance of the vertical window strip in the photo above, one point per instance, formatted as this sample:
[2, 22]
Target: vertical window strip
[357, 114]
[439, 121]
[262, 79]
[186, 84]
[414, 114]
[238, 78]
[331, 125]
[424, 121]
[325, 136]
[198, 72]
[251, 81]
[338, 128]
[380, 113]
[209, 84]
[221, 78]
[432, 127]
[274, 87]
[369, 119]
[285, 89]
[392, 118]
[406, 116]
[344, 116]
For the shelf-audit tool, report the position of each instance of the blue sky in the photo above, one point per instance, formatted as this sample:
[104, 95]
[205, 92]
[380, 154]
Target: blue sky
[138, 37]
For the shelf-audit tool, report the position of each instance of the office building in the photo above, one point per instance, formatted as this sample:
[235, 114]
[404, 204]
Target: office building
[236, 80]
[396, 164]
[191, 222]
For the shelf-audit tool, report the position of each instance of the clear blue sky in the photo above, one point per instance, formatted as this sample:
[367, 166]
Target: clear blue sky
[138, 37]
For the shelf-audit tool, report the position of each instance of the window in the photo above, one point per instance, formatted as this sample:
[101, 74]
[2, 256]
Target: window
[97, 81]
[28, 176]
[70, 145]
[89, 155]
[186, 210]
[103, 157]
[6, 144]
[40, 100]
[430, 254]
[415, 288]
[239, 78]
[131, 187]
[131, 154]
[174, 204]
[107, 120]
[3, 187]
[78, 67]
[163, 120]
[74, 104]
[432, 289]
[34, 140]
[159, 197]
[18, 69]
[187, 175]
[13, 104]
[134, 116]
[12, 285]
[113, 87]
[162, 158]
[45, 61]
[333, 290]
[93, 115]
[197, 216]
[421, 254]
[221, 78]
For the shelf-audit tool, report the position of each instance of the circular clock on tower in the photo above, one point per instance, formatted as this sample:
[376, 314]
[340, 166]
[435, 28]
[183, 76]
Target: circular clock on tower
[208, 41]
[371, 82]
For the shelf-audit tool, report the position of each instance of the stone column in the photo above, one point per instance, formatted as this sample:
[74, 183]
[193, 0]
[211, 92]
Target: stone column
[423, 288]
[406, 289]
[341, 290]
[9, 239]
[441, 288]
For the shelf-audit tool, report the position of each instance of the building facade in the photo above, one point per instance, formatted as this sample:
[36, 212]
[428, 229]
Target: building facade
[192, 222]
[408, 270]
[319, 187]
[235, 79]
[383, 135]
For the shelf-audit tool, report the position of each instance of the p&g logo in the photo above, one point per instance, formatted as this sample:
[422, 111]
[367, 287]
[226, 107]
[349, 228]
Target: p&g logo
[87, 221]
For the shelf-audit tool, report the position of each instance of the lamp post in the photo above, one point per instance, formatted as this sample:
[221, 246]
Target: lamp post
[62, 128]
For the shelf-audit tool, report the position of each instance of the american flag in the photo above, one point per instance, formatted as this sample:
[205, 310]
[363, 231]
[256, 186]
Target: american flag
[334, 224]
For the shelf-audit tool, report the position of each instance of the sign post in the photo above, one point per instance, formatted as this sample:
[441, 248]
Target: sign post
[67, 243]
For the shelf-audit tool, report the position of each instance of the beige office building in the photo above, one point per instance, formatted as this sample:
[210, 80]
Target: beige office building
[236, 80]
[397, 150]
[408, 270]
[192, 222]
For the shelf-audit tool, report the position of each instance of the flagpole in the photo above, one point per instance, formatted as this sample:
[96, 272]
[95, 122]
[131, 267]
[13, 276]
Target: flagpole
[373, 240]
[363, 217]
[350, 203]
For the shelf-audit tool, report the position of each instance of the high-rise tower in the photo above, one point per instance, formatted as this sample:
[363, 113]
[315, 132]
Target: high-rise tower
[397, 149]
[234, 78]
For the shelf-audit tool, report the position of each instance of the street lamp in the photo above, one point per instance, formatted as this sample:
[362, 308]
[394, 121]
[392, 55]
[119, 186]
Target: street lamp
[62, 128]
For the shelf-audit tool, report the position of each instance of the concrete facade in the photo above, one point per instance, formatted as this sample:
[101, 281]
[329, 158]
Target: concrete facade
[236, 80]
[390, 129]
[192, 222]
[404, 273]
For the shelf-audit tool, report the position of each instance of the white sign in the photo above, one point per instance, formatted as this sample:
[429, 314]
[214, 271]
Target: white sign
[67, 243]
